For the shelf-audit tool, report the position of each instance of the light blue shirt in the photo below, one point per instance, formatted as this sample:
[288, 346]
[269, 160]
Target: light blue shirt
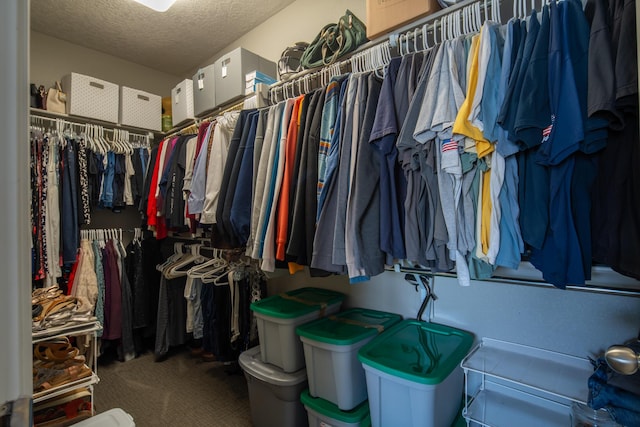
[199, 179]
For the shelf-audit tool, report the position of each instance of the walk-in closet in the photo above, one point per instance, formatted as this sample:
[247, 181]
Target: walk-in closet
[301, 213]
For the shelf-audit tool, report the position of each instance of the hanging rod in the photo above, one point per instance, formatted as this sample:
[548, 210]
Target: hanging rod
[79, 121]
[191, 126]
[620, 285]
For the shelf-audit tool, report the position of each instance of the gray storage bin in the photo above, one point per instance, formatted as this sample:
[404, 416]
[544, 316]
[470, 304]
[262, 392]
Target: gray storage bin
[331, 349]
[230, 71]
[323, 413]
[277, 317]
[274, 395]
[204, 90]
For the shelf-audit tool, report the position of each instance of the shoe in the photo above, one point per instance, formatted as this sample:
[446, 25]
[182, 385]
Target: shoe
[208, 357]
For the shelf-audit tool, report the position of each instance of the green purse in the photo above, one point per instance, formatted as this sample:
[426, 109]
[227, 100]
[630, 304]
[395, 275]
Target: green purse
[334, 41]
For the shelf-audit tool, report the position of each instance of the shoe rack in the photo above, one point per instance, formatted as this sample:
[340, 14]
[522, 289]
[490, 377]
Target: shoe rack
[65, 376]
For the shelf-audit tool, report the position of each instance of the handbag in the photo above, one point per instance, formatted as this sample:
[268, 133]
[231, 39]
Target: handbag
[34, 97]
[289, 63]
[334, 41]
[57, 100]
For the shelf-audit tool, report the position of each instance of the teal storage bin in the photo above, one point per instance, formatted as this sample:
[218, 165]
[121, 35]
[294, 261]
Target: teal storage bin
[413, 374]
[277, 317]
[322, 413]
[331, 349]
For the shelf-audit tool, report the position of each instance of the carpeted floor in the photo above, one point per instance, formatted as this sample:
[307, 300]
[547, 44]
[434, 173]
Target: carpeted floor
[180, 391]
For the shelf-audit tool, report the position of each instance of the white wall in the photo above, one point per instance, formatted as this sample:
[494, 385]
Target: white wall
[302, 20]
[567, 321]
[52, 58]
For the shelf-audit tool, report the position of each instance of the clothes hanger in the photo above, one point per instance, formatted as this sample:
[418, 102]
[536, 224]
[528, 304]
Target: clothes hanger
[173, 270]
[210, 272]
[191, 257]
[196, 272]
[425, 42]
[177, 254]
[214, 276]
[445, 27]
[435, 33]
[104, 145]
[452, 23]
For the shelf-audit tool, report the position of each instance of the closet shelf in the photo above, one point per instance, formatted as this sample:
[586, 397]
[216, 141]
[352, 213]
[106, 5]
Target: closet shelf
[82, 120]
[499, 406]
[65, 388]
[558, 374]
[75, 329]
[506, 381]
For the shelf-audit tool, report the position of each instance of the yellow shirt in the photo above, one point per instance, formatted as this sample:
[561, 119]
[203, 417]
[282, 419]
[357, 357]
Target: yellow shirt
[462, 125]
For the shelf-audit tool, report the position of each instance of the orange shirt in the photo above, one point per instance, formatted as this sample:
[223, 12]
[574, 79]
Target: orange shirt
[282, 221]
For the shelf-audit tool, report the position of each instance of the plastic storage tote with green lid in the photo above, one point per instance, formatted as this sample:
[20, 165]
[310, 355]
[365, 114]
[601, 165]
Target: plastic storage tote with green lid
[331, 349]
[413, 374]
[322, 413]
[277, 317]
[297, 303]
[349, 326]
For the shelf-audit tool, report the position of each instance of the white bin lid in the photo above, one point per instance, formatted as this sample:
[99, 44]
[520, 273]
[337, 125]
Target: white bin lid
[252, 364]
[112, 418]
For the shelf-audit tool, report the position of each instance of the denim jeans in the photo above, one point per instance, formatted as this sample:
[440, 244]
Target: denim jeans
[623, 406]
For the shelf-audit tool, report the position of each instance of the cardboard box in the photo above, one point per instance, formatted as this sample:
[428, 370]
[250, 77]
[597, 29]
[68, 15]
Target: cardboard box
[384, 16]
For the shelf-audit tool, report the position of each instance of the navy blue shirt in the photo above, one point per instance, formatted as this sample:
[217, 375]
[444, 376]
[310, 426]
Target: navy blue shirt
[240, 212]
[560, 258]
[383, 139]
[533, 112]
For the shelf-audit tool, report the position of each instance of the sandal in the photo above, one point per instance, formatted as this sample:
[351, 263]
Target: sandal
[58, 350]
[57, 354]
[46, 378]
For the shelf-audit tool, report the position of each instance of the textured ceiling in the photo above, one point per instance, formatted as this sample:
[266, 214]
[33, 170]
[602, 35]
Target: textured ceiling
[175, 41]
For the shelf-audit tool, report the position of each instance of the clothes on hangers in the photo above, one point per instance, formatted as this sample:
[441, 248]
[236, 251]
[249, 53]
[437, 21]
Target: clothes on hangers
[100, 282]
[475, 153]
[69, 180]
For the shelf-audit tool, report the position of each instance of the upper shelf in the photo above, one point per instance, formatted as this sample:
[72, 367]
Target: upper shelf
[65, 330]
[558, 374]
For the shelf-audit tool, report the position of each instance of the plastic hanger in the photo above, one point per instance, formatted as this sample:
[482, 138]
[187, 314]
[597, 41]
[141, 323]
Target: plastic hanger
[104, 144]
[443, 29]
[425, 42]
[452, 26]
[214, 276]
[435, 32]
[174, 270]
